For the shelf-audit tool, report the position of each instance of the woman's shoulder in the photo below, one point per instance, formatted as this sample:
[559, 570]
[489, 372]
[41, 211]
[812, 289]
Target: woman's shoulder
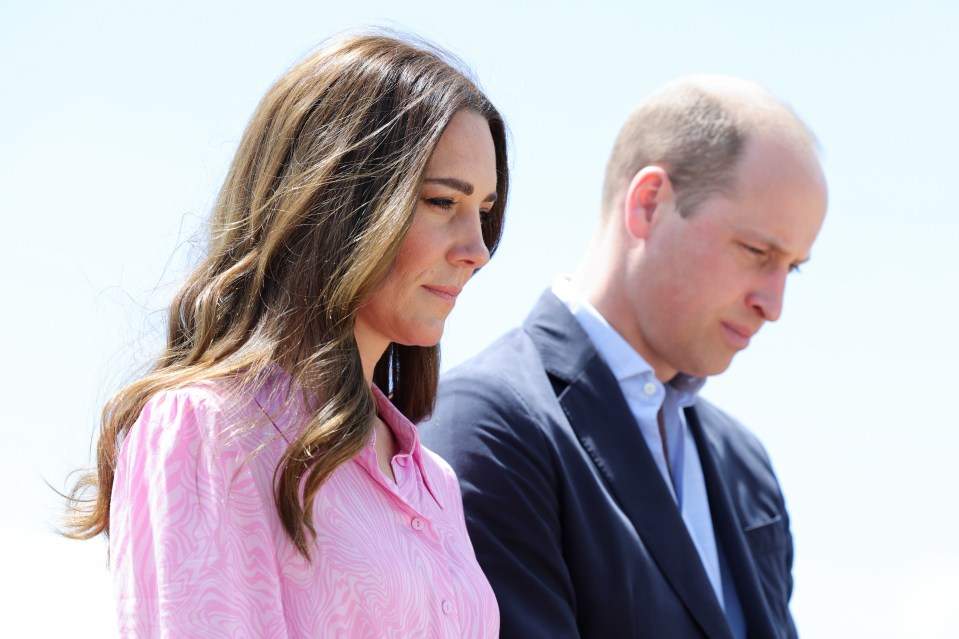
[194, 404]
[203, 402]
[227, 412]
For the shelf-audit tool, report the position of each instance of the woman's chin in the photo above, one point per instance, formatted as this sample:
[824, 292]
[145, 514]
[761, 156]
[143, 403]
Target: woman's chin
[425, 338]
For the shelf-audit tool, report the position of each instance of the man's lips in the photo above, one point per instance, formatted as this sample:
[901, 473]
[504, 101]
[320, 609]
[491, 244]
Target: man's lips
[737, 335]
[447, 293]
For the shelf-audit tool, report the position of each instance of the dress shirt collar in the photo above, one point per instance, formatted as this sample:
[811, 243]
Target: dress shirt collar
[403, 429]
[406, 436]
[623, 360]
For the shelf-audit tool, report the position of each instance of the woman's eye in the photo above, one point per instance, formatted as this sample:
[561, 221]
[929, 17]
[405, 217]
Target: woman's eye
[485, 217]
[444, 203]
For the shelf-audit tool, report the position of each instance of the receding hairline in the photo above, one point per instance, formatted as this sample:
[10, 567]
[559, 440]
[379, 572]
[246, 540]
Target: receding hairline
[748, 107]
[755, 107]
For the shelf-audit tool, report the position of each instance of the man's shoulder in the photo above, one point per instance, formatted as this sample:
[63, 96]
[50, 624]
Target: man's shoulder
[504, 351]
[736, 447]
[718, 421]
[507, 370]
[503, 389]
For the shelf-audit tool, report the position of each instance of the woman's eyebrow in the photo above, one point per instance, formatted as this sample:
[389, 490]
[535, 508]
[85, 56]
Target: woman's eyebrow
[460, 185]
[454, 183]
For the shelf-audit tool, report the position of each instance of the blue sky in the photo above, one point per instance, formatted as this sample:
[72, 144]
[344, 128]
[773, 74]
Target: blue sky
[119, 120]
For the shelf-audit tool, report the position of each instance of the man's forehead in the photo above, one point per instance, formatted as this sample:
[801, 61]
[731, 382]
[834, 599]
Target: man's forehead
[779, 195]
[777, 159]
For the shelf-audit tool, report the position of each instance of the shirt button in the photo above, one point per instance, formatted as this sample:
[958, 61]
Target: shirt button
[418, 524]
[649, 388]
[401, 460]
[447, 608]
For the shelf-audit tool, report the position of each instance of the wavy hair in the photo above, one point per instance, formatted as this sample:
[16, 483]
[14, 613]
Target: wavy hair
[308, 223]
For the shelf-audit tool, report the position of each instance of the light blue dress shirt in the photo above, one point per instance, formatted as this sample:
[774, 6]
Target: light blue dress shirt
[682, 471]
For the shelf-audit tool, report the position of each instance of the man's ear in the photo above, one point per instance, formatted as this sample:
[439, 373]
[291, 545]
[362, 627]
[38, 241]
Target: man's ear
[648, 193]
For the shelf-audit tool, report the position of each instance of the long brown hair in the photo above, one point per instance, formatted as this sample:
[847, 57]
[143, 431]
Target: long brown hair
[309, 221]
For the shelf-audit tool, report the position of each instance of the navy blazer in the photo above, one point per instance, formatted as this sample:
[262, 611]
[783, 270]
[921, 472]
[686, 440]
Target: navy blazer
[571, 520]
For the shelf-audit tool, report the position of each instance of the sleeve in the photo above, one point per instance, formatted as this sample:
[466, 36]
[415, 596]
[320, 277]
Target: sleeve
[511, 499]
[191, 544]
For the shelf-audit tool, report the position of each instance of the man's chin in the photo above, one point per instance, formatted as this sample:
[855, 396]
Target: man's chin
[710, 368]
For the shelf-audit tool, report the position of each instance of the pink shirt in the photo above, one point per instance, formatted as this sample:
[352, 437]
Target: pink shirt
[198, 549]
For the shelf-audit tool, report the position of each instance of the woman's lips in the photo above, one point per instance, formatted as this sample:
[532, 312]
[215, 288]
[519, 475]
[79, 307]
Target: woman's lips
[447, 293]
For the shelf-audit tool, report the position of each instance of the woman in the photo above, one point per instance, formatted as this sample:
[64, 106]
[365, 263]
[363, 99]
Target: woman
[264, 478]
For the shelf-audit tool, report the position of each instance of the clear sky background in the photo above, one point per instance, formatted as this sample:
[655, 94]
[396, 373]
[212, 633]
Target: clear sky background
[118, 122]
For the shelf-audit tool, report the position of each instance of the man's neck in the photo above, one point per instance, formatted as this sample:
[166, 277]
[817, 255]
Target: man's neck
[602, 282]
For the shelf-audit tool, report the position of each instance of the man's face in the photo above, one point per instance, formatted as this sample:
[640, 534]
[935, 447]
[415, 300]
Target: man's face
[706, 283]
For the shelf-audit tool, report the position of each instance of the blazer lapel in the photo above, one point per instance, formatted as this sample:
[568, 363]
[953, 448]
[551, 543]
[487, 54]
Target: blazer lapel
[729, 532]
[605, 427]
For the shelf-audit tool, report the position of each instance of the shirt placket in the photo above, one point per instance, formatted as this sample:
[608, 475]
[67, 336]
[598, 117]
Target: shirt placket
[646, 399]
[410, 494]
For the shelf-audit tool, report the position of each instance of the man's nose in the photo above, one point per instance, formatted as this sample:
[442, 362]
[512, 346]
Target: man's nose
[767, 298]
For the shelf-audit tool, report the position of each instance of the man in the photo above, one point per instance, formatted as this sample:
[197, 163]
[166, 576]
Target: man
[604, 498]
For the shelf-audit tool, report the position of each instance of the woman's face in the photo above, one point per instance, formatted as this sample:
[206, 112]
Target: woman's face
[444, 244]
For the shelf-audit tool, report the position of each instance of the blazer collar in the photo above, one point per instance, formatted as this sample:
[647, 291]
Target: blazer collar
[563, 344]
[599, 415]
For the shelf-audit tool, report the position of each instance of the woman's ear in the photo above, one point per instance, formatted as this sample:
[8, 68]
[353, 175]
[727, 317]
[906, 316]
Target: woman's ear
[649, 193]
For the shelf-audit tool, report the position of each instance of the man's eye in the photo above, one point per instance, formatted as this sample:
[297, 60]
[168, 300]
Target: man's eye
[753, 250]
[444, 203]
[794, 268]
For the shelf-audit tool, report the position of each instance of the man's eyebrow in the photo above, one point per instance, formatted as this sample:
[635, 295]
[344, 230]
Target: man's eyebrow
[768, 241]
[460, 185]
[774, 245]
[779, 248]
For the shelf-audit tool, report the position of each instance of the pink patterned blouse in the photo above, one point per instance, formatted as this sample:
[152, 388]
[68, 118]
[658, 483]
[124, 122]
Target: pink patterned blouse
[198, 549]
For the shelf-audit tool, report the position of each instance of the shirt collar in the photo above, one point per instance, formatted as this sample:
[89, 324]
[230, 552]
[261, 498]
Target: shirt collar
[623, 360]
[406, 436]
[272, 399]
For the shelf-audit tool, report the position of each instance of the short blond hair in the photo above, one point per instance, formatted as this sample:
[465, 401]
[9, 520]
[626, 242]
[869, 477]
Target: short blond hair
[696, 129]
